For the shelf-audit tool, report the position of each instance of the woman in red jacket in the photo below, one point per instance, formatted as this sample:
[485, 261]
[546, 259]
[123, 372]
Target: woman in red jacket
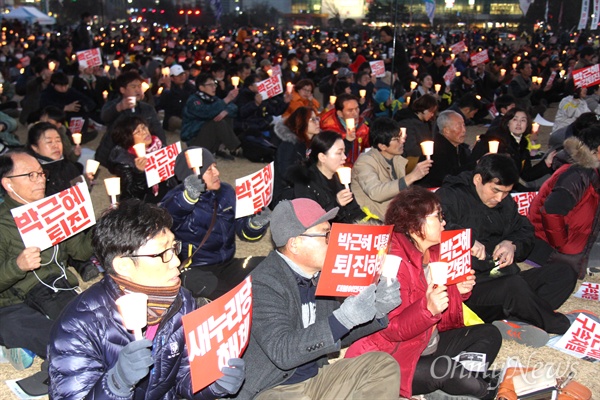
[427, 330]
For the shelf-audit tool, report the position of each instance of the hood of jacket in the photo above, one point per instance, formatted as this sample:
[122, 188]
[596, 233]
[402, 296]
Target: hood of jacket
[580, 154]
[284, 133]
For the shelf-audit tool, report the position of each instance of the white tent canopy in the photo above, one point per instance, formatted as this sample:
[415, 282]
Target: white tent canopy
[29, 14]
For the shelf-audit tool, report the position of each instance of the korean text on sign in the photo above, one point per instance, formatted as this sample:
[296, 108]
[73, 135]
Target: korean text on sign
[589, 291]
[458, 47]
[582, 338]
[587, 77]
[523, 200]
[378, 68]
[53, 219]
[254, 191]
[161, 164]
[480, 58]
[89, 58]
[217, 332]
[455, 249]
[76, 124]
[354, 257]
[270, 87]
[450, 74]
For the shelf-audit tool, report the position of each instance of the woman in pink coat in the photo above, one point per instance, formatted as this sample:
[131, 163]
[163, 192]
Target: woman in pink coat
[427, 330]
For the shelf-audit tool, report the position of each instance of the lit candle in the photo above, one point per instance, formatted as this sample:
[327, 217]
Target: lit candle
[332, 99]
[437, 87]
[166, 71]
[91, 166]
[514, 65]
[270, 72]
[113, 188]
[288, 87]
[106, 68]
[362, 93]
[116, 63]
[502, 71]
[51, 66]
[415, 72]
[145, 86]
[427, 148]
[194, 159]
[350, 124]
[105, 94]
[413, 85]
[159, 91]
[535, 127]
[235, 81]
[493, 146]
[76, 138]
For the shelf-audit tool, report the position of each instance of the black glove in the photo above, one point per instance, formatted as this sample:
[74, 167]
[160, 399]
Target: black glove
[261, 219]
[387, 297]
[233, 379]
[132, 365]
[357, 310]
[194, 186]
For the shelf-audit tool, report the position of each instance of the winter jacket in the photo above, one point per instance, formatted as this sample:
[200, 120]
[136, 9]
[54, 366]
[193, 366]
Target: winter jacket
[373, 183]
[174, 99]
[310, 183]
[199, 109]
[411, 324]
[417, 131]
[52, 97]
[191, 220]
[60, 173]
[331, 122]
[110, 116]
[520, 88]
[86, 341]
[565, 211]
[15, 283]
[447, 160]
[464, 209]
[255, 119]
[569, 109]
[279, 342]
[517, 151]
[299, 101]
[290, 152]
[133, 181]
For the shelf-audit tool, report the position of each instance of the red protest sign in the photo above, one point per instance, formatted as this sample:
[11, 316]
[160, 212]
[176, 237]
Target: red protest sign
[586, 77]
[254, 191]
[455, 249]
[450, 74]
[161, 164]
[480, 58]
[76, 124]
[589, 291]
[276, 70]
[523, 200]
[458, 47]
[89, 58]
[217, 332]
[353, 260]
[51, 220]
[270, 87]
[331, 58]
[311, 66]
[377, 68]
[551, 79]
[582, 338]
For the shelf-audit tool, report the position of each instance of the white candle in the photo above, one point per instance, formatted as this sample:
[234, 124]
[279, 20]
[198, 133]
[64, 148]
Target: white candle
[427, 148]
[194, 159]
[437, 87]
[166, 71]
[113, 188]
[76, 138]
[133, 308]
[288, 87]
[350, 124]
[91, 166]
[535, 127]
[235, 81]
[332, 99]
[345, 175]
[140, 149]
[493, 146]
[413, 85]
[362, 93]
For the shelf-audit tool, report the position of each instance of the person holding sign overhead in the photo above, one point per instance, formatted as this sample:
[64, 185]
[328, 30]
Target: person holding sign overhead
[203, 210]
[128, 159]
[293, 331]
[93, 352]
[427, 330]
[35, 285]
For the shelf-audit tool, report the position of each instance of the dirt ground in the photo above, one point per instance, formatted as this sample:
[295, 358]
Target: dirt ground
[586, 373]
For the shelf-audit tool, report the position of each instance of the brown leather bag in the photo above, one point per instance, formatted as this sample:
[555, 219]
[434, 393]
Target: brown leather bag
[572, 391]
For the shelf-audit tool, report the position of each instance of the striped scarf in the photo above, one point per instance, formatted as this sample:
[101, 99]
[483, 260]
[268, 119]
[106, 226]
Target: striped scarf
[159, 298]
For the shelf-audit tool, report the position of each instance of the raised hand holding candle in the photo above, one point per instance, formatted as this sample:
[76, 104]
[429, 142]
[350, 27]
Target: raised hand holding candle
[438, 273]
[413, 85]
[113, 188]
[345, 175]
[132, 100]
[133, 308]
[76, 138]
[235, 81]
[194, 160]
[391, 265]
[437, 88]
[166, 71]
[140, 149]
[427, 148]
[350, 124]
[116, 63]
[493, 146]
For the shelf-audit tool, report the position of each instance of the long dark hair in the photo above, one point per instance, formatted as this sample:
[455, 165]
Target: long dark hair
[297, 122]
[321, 143]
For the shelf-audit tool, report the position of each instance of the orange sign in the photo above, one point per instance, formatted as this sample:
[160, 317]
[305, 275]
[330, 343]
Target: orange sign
[354, 258]
[217, 332]
[455, 249]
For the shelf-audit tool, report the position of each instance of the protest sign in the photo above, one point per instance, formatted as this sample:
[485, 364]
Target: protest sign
[377, 68]
[89, 58]
[455, 249]
[523, 200]
[331, 58]
[276, 70]
[582, 340]
[354, 257]
[270, 87]
[51, 220]
[589, 291]
[458, 47]
[479, 58]
[311, 66]
[450, 74]
[161, 164]
[254, 191]
[586, 77]
[76, 124]
[217, 332]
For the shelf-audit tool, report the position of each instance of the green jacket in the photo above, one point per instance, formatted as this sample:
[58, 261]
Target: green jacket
[14, 283]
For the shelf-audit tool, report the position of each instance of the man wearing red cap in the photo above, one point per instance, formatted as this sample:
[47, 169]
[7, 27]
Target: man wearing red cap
[293, 332]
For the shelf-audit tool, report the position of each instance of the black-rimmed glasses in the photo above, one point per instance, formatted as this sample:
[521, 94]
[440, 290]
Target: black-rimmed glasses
[33, 176]
[318, 235]
[166, 255]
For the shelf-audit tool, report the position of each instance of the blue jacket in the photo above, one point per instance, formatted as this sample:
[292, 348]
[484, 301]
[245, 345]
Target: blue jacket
[191, 220]
[198, 111]
[86, 340]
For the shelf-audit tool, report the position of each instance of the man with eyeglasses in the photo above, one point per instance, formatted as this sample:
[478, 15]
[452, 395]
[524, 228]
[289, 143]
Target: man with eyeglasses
[34, 285]
[208, 120]
[379, 175]
[293, 331]
[91, 352]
